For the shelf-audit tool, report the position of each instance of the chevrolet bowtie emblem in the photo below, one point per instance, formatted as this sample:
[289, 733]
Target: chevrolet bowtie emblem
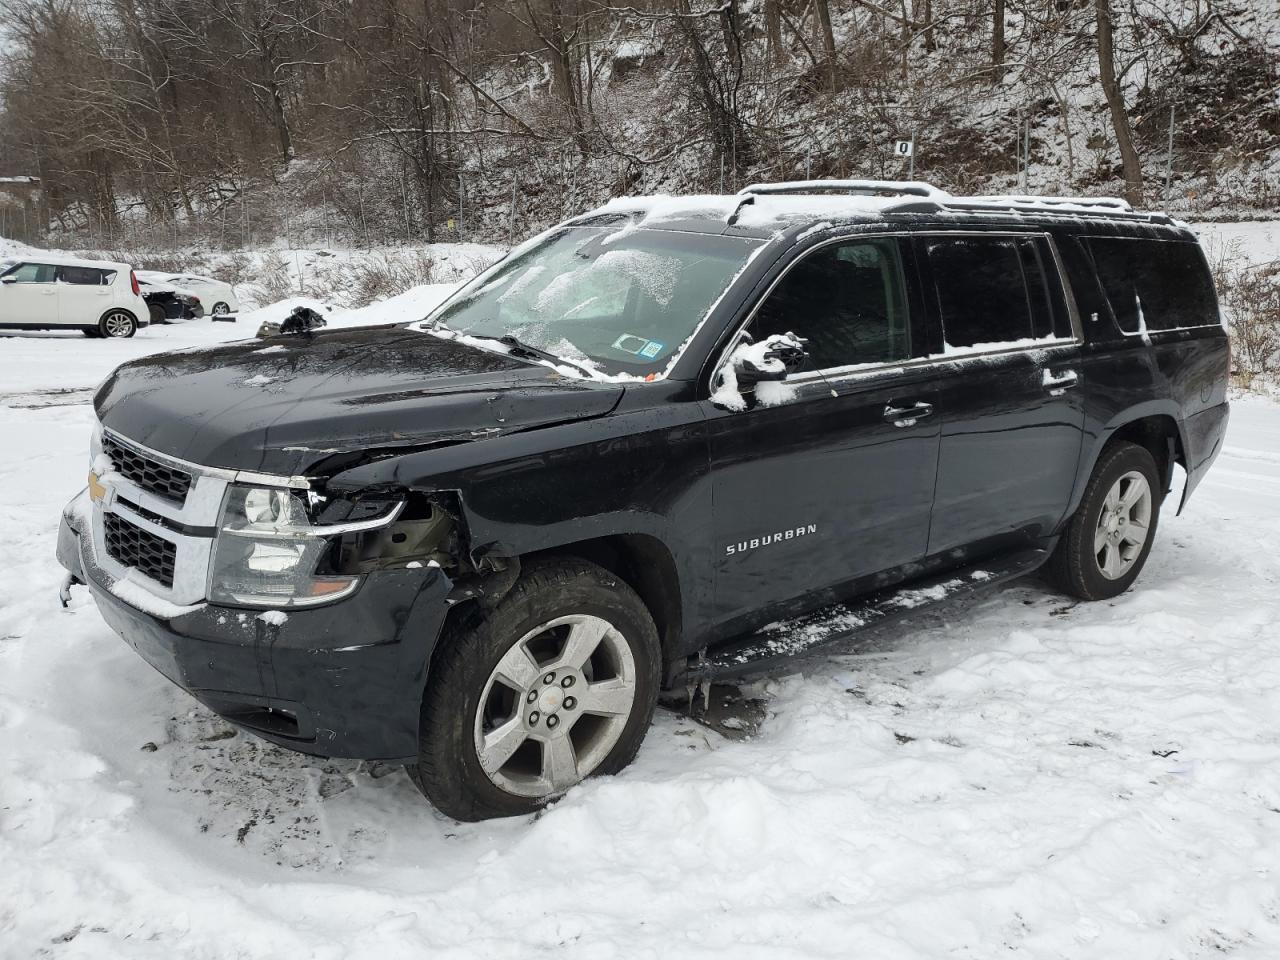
[97, 492]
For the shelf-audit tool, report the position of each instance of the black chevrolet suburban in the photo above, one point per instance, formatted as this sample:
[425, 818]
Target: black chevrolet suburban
[670, 441]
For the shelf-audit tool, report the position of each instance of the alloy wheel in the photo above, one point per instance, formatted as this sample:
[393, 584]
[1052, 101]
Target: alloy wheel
[118, 324]
[1124, 524]
[555, 705]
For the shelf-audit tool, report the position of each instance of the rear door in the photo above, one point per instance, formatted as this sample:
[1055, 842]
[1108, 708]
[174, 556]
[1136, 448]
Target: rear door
[1010, 398]
[84, 295]
[825, 479]
[29, 295]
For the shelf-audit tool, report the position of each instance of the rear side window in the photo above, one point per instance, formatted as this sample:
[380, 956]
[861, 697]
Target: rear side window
[847, 300]
[83, 276]
[1155, 284]
[32, 273]
[994, 290]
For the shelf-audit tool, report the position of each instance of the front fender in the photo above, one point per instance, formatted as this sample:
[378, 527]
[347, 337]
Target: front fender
[643, 470]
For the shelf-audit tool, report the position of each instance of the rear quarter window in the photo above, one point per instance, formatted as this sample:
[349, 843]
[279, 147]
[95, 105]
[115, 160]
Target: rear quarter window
[1155, 284]
[83, 276]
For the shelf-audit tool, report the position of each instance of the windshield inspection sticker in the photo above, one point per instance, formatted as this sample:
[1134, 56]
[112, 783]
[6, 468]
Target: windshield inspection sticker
[629, 343]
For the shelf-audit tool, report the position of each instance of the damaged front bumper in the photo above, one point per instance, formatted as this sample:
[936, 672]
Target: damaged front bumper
[343, 680]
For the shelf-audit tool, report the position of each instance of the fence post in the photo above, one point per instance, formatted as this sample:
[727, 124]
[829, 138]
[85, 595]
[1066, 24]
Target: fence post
[404, 195]
[511, 226]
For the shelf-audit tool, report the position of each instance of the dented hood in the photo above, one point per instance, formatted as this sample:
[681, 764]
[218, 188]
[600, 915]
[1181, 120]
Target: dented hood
[284, 404]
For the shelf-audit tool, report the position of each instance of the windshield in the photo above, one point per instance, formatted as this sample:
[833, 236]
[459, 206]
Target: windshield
[618, 301]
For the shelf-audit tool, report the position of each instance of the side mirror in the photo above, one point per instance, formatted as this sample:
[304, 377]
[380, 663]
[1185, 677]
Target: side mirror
[749, 364]
[770, 359]
[9, 279]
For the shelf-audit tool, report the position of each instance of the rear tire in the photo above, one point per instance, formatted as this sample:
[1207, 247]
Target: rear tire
[117, 324]
[1107, 541]
[220, 309]
[558, 683]
[157, 313]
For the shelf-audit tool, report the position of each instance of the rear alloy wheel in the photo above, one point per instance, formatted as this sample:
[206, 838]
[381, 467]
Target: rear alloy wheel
[1123, 525]
[1108, 540]
[220, 309]
[118, 324]
[557, 684]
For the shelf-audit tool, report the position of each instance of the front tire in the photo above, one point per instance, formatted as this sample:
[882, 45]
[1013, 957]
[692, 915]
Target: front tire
[117, 324]
[220, 309]
[156, 312]
[558, 683]
[1107, 541]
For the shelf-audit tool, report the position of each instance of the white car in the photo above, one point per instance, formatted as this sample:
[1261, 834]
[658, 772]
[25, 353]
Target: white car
[48, 292]
[219, 298]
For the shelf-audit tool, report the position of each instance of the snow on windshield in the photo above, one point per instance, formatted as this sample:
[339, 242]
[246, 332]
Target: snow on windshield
[615, 270]
[623, 306]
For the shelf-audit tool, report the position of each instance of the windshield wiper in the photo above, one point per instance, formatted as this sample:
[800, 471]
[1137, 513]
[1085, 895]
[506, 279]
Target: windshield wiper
[521, 349]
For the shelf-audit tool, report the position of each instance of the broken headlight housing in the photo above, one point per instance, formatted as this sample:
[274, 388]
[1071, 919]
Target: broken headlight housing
[268, 550]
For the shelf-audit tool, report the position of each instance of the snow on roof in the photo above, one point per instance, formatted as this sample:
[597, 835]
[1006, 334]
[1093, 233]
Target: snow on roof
[755, 210]
[762, 206]
[872, 187]
[32, 255]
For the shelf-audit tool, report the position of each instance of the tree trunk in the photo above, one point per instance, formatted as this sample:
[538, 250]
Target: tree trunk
[828, 39]
[930, 42]
[281, 121]
[1115, 102]
[997, 40]
[773, 30]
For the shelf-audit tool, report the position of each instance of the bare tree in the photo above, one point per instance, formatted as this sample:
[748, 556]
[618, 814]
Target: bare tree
[1114, 95]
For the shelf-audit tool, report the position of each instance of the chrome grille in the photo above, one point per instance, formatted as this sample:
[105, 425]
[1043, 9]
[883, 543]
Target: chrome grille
[150, 475]
[132, 546]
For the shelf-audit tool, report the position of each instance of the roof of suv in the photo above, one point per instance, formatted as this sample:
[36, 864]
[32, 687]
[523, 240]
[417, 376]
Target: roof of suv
[788, 209]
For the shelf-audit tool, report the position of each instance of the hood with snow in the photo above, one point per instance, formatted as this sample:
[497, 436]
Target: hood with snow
[285, 404]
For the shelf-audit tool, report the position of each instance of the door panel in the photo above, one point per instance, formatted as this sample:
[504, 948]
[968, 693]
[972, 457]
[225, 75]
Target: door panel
[819, 491]
[32, 298]
[82, 296]
[835, 481]
[1009, 446]
[1009, 389]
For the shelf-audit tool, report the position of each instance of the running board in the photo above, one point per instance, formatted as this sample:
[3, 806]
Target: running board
[769, 647]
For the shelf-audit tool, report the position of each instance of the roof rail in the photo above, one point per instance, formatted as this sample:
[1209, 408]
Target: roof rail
[872, 188]
[1113, 203]
[1104, 208]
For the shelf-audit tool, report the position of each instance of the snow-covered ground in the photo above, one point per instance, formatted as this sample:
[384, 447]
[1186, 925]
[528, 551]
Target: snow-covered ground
[61, 366]
[1023, 776]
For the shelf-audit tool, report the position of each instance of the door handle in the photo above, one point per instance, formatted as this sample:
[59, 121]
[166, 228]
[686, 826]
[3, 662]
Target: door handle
[907, 416]
[1057, 384]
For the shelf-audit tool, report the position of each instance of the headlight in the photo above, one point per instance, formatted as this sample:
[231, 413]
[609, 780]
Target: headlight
[268, 550]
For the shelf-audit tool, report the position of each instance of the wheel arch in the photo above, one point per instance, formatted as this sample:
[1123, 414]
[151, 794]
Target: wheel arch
[640, 560]
[646, 565]
[1155, 428]
[118, 310]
